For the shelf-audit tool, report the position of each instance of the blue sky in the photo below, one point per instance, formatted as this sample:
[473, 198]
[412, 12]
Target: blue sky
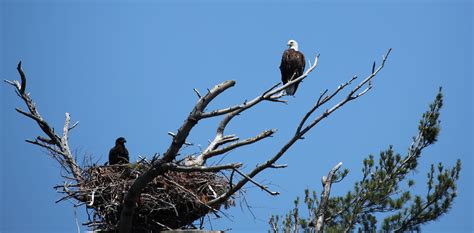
[129, 69]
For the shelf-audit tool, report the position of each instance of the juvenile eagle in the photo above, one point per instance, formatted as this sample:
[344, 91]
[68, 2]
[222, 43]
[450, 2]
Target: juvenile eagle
[119, 154]
[292, 66]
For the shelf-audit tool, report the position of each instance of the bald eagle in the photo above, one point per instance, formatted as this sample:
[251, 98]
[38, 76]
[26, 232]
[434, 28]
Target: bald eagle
[119, 154]
[292, 66]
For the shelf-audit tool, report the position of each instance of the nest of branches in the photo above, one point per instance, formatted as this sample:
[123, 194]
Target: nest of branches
[174, 200]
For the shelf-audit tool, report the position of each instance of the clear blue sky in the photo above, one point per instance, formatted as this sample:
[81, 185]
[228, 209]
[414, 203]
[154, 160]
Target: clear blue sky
[129, 69]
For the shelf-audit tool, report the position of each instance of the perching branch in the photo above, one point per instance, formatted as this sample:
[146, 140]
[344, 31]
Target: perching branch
[300, 133]
[272, 94]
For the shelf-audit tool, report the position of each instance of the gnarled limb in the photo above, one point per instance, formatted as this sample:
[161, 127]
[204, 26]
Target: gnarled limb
[58, 146]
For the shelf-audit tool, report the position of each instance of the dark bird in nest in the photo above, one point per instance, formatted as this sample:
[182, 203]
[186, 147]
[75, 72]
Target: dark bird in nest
[119, 154]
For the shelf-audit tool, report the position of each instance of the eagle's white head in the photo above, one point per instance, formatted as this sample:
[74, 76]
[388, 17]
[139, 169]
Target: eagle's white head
[292, 44]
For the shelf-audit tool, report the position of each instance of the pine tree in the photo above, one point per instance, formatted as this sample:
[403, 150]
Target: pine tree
[383, 191]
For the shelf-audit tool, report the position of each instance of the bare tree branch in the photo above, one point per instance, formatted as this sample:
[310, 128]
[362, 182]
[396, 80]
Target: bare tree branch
[265, 188]
[264, 134]
[197, 93]
[56, 144]
[64, 139]
[219, 112]
[299, 133]
[272, 94]
[278, 166]
[73, 125]
[48, 147]
[349, 97]
[193, 118]
[23, 79]
[327, 182]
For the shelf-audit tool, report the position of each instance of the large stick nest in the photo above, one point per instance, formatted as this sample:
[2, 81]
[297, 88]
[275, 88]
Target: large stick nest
[174, 200]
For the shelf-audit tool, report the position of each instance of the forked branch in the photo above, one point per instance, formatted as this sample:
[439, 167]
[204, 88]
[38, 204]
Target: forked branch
[58, 146]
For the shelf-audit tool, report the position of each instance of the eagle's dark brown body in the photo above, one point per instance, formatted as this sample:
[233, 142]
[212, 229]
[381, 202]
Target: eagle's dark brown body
[291, 67]
[119, 154]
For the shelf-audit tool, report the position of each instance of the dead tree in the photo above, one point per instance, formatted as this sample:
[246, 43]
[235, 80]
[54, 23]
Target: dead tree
[191, 188]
